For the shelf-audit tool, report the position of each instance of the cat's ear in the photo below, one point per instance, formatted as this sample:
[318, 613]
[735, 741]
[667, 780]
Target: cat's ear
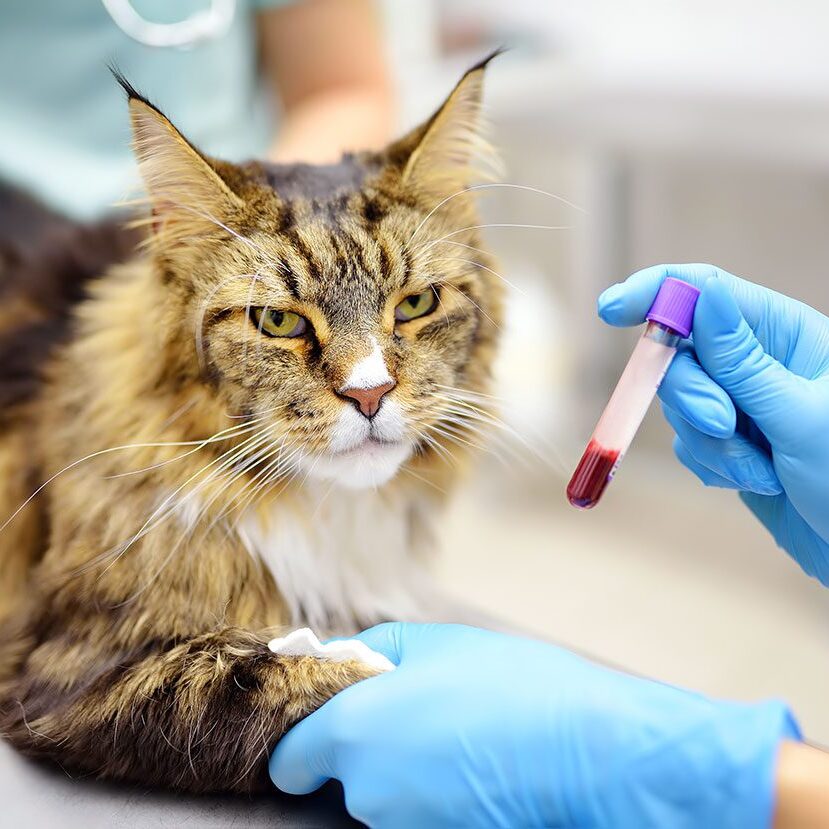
[185, 191]
[450, 152]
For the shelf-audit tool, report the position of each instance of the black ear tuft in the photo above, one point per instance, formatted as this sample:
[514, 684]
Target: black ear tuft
[132, 93]
[484, 62]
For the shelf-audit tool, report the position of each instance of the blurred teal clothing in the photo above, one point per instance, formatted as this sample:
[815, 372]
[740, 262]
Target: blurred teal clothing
[64, 126]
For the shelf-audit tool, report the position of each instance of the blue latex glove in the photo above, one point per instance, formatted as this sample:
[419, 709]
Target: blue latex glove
[476, 728]
[748, 399]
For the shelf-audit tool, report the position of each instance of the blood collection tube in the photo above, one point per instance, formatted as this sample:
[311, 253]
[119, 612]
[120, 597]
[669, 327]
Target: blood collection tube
[668, 321]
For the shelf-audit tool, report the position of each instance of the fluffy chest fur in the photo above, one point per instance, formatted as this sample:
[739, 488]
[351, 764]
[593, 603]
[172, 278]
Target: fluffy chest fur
[341, 559]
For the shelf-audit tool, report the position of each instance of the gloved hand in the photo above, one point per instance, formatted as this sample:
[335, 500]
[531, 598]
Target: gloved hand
[748, 399]
[476, 728]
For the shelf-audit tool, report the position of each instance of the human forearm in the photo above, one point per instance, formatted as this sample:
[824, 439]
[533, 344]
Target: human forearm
[321, 129]
[802, 782]
[325, 61]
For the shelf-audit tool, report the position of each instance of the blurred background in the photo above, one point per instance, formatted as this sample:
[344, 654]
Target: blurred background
[685, 131]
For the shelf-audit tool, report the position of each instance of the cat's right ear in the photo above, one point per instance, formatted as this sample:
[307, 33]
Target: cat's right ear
[186, 193]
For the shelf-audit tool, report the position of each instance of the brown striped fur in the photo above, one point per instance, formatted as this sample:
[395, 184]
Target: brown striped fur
[148, 660]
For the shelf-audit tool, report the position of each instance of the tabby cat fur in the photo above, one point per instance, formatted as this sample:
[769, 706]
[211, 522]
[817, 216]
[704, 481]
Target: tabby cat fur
[208, 486]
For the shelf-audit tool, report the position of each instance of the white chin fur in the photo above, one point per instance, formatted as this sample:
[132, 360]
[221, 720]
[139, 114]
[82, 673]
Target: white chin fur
[364, 468]
[352, 462]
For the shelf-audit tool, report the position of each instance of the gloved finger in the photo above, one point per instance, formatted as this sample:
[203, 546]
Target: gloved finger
[791, 532]
[731, 355]
[736, 459]
[689, 391]
[706, 475]
[626, 303]
[765, 509]
[386, 639]
[302, 760]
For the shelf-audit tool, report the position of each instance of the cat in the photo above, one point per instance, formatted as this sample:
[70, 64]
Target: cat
[248, 425]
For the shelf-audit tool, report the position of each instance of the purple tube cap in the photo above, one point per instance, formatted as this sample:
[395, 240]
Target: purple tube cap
[674, 305]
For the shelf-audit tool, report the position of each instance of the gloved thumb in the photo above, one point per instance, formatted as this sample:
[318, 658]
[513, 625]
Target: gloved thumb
[386, 639]
[302, 759]
[305, 757]
[731, 355]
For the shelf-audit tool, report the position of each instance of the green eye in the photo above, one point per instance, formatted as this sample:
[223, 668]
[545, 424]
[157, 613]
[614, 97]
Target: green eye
[416, 305]
[278, 323]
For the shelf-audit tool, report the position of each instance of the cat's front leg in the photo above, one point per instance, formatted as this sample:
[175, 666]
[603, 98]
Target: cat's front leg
[199, 716]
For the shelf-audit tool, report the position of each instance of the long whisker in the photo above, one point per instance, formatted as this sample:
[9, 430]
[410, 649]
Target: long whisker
[463, 245]
[262, 478]
[244, 327]
[468, 408]
[450, 433]
[241, 470]
[479, 265]
[458, 429]
[118, 549]
[164, 510]
[471, 393]
[488, 186]
[182, 410]
[244, 239]
[89, 457]
[226, 434]
[469, 299]
[435, 445]
[287, 469]
[458, 421]
[433, 242]
[198, 329]
[238, 461]
[409, 471]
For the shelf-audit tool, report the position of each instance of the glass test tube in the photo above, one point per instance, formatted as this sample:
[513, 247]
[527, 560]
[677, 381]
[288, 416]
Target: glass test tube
[669, 320]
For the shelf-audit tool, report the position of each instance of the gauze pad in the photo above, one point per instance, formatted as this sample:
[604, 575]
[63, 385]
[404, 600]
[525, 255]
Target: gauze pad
[304, 642]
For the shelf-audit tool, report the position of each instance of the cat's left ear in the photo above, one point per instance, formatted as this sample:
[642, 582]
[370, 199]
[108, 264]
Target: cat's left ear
[186, 192]
[449, 152]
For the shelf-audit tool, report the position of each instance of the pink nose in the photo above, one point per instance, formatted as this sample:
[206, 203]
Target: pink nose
[368, 400]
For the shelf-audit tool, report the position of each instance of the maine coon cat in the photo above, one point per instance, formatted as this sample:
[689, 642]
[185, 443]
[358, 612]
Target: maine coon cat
[244, 427]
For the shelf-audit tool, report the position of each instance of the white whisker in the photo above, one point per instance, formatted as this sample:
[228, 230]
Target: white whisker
[226, 434]
[89, 457]
[165, 510]
[244, 239]
[492, 186]
[482, 266]
[469, 299]
[433, 242]
[409, 471]
[198, 330]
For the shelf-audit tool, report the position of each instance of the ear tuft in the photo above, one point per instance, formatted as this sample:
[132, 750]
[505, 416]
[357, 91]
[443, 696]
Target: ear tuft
[129, 89]
[450, 152]
[187, 195]
[485, 61]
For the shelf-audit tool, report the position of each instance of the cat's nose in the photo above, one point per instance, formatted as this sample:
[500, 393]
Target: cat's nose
[368, 400]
